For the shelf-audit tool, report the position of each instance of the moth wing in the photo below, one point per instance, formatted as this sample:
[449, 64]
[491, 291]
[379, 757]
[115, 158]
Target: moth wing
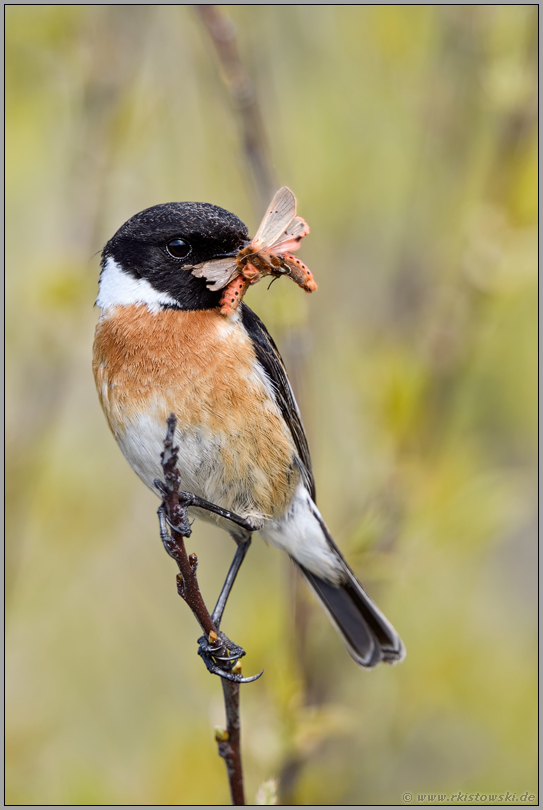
[276, 220]
[218, 272]
[298, 227]
[291, 238]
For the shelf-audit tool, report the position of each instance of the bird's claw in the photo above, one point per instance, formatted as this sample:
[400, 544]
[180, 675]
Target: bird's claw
[183, 527]
[222, 650]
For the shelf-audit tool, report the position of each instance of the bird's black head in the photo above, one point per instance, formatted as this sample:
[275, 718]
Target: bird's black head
[152, 254]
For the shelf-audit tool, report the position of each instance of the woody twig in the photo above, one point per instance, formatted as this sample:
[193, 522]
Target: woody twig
[244, 100]
[221, 656]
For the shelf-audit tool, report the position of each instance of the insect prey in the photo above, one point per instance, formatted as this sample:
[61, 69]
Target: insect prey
[270, 252]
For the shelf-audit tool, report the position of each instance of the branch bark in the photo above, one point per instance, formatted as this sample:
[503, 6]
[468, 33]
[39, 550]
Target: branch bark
[229, 744]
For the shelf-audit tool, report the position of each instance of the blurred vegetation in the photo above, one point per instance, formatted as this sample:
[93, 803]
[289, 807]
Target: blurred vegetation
[409, 135]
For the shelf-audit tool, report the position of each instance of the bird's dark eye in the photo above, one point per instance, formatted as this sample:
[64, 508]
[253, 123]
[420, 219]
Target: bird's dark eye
[178, 248]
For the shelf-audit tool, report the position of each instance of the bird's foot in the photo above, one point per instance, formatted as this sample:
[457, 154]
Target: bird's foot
[222, 657]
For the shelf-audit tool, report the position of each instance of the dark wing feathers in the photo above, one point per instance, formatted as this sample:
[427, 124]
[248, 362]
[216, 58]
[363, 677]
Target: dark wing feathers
[269, 358]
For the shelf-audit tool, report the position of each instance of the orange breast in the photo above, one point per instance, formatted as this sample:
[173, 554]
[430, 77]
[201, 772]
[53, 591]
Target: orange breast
[235, 449]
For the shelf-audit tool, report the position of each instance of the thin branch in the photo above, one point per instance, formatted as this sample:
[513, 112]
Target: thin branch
[221, 656]
[243, 96]
[229, 742]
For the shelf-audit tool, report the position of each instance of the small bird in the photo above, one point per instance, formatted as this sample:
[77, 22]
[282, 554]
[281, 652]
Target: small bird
[167, 343]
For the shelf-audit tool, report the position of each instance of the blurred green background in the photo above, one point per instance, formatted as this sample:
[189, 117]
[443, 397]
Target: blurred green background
[408, 134]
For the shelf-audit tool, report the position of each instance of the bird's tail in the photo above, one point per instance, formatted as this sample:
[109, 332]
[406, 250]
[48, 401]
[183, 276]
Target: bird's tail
[367, 634]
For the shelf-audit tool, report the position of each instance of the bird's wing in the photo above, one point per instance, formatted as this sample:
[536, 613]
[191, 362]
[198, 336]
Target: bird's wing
[269, 358]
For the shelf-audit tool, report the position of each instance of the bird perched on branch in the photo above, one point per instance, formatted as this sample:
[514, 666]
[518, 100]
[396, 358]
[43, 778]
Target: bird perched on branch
[175, 337]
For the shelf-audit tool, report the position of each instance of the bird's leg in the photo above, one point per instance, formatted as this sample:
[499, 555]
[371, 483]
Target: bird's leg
[243, 543]
[221, 656]
[187, 499]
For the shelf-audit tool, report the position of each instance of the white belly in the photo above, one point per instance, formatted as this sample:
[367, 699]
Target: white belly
[205, 465]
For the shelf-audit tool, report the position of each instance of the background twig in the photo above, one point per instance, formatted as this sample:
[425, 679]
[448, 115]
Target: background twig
[243, 96]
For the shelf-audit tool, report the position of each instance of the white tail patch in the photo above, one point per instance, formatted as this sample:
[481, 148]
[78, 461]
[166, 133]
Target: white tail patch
[299, 533]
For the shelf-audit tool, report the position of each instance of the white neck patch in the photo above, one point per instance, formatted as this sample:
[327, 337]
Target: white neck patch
[117, 288]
